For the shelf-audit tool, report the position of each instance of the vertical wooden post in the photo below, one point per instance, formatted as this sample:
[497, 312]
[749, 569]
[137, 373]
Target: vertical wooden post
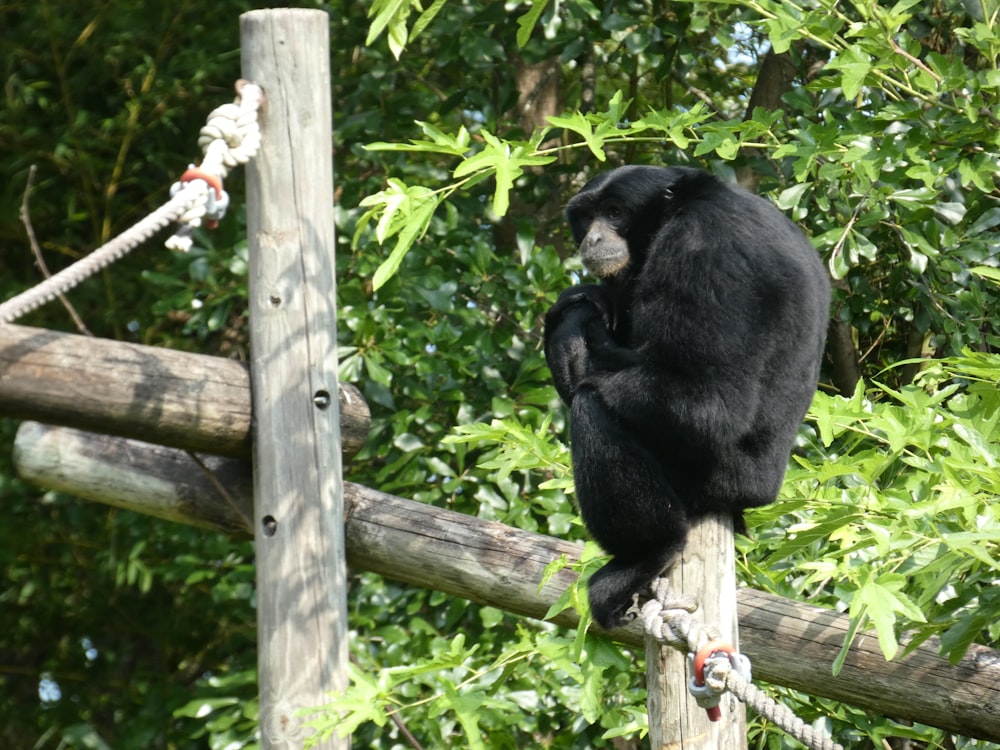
[706, 571]
[298, 488]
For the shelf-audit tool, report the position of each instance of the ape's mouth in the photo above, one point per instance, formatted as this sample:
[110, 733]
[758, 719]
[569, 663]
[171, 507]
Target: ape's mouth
[605, 264]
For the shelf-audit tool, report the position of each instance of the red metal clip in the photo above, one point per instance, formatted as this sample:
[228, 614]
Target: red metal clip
[706, 652]
[216, 209]
[195, 173]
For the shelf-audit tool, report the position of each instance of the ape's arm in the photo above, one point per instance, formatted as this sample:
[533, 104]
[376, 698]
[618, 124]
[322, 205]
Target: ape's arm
[698, 375]
[578, 339]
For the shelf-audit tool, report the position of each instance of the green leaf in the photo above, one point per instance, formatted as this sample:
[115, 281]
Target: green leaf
[526, 22]
[595, 129]
[854, 65]
[581, 125]
[201, 707]
[978, 173]
[784, 27]
[437, 142]
[406, 212]
[987, 272]
[83, 736]
[881, 599]
[365, 701]
[397, 36]
[383, 13]
[955, 641]
[987, 220]
[466, 708]
[790, 197]
[426, 17]
[950, 211]
[506, 161]
[845, 648]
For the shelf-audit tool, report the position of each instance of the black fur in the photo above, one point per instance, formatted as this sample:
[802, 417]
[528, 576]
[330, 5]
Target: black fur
[688, 369]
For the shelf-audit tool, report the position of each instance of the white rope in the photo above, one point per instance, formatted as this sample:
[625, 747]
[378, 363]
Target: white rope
[230, 137]
[669, 619]
[721, 676]
[104, 256]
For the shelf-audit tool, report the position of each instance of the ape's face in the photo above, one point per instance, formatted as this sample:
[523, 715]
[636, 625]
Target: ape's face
[617, 214]
[600, 227]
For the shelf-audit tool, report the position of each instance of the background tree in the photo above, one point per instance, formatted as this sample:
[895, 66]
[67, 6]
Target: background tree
[873, 125]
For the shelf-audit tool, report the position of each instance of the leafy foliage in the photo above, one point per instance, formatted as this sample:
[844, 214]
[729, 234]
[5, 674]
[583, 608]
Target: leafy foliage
[892, 506]
[124, 632]
[473, 698]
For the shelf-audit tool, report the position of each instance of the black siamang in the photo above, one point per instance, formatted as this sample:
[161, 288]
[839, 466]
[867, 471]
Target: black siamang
[688, 369]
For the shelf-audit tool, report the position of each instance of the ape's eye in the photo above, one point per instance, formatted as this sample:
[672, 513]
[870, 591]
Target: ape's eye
[613, 212]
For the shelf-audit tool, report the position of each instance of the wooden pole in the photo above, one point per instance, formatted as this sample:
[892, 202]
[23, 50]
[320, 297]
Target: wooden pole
[183, 400]
[706, 571]
[298, 488]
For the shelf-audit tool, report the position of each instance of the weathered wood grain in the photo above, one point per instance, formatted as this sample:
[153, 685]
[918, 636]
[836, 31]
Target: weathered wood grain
[173, 398]
[298, 489]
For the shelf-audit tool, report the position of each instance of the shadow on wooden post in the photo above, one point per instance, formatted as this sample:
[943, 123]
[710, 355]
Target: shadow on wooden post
[298, 487]
[707, 572]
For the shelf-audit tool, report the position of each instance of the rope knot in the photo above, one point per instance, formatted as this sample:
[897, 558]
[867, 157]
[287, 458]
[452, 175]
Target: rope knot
[230, 137]
[715, 666]
[666, 617]
[710, 669]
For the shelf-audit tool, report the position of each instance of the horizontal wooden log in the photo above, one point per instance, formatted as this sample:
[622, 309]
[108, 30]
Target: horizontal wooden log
[190, 401]
[790, 643]
[202, 490]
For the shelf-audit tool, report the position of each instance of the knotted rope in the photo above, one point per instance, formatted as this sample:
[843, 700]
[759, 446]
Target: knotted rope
[669, 619]
[230, 137]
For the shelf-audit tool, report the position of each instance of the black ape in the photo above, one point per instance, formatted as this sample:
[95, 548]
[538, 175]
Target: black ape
[688, 370]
